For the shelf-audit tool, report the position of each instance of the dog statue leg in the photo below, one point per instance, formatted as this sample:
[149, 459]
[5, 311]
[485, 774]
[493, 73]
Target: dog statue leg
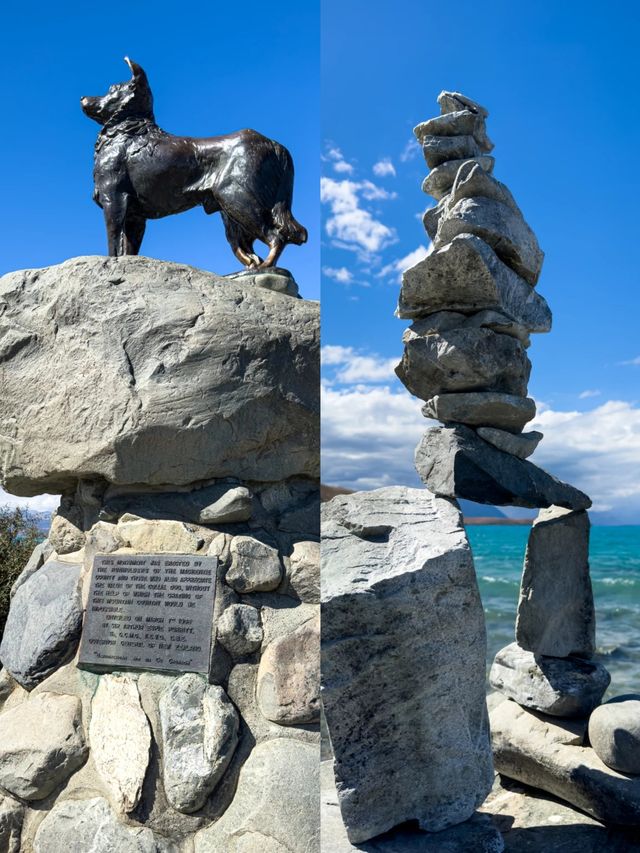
[276, 248]
[134, 228]
[114, 206]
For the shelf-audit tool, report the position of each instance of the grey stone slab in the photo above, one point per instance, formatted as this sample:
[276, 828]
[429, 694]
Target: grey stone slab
[186, 377]
[454, 462]
[440, 180]
[44, 622]
[439, 149]
[452, 101]
[478, 834]
[220, 503]
[521, 445]
[467, 276]
[42, 744]
[399, 598]
[199, 736]
[560, 687]
[614, 733]
[150, 611]
[276, 807]
[77, 826]
[556, 615]
[481, 408]
[498, 225]
[462, 359]
[462, 122]
[526, 748]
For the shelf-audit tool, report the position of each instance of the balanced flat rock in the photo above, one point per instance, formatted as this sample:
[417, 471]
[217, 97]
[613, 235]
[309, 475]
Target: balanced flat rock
[466, 275]
[462, 359]
[556, 615]
[403, 645]
[440, 180]
[561, 687]
[521, 445]
[453, 462]
[481, 408]
[531, 749]
[164, 374]
[499, 225]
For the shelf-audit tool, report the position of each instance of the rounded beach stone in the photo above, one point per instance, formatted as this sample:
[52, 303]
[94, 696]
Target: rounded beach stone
[255, 566]
[614, 732]
[239, 629]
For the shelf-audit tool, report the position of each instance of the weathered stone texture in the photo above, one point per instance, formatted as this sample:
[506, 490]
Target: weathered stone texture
[399, 597]
[614, 733]
[185, 377]
[556, 615]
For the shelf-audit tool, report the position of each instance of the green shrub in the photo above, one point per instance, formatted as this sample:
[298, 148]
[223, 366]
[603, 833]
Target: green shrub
[18, 537]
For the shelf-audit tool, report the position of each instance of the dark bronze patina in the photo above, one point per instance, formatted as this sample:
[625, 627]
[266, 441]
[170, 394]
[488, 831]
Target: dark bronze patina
[143, 173]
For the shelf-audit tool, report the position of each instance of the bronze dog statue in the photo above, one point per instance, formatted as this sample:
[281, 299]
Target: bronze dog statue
[142, 173]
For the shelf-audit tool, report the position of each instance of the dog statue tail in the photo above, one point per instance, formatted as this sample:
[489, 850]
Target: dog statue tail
[286, 224]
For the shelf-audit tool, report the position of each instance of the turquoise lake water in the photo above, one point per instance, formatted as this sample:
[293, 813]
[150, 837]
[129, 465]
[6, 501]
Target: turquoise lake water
[614, 556]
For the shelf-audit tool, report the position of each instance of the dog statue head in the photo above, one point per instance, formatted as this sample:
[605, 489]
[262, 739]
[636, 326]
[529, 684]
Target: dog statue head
[132, 99]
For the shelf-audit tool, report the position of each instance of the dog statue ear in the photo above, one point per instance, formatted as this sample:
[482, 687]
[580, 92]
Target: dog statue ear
[136, 71]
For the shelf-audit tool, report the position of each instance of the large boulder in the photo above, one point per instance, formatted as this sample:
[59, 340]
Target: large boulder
[403, 649]
[162, 374]
[556, 615]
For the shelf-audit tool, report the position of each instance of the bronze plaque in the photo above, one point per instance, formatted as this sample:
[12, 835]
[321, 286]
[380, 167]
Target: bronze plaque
[150, 611]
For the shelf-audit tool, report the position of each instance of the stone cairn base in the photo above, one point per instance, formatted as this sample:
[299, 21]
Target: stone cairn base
[410, 742]
[148, 385]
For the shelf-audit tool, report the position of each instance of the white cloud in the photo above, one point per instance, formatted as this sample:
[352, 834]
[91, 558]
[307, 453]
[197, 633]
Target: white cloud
[350, 225]
[635, 360]
[397, 267]
[368, 436]
[41, 503]
[589, 393]
[410, 150]
[336, 157]
[356, 366]
[340, 274]
[343, 167]
[384, 167]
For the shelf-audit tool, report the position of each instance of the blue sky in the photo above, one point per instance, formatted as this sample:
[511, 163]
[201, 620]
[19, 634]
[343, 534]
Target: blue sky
[213, 68]
[559, 81]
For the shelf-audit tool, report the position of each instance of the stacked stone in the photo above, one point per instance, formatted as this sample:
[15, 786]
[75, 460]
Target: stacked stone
[169, 379]
[474, 306]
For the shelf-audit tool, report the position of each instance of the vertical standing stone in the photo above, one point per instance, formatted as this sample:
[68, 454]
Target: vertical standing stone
[556, 616]
[403, 662]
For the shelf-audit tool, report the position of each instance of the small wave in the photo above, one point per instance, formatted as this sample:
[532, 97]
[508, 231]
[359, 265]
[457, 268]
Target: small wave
[617, 581]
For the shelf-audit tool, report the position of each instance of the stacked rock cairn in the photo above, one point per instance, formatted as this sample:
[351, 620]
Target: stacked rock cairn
[179, 423]
[474, 306]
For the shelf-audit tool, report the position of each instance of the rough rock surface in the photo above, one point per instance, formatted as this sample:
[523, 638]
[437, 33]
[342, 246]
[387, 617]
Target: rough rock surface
[277, 803]
[44, 623]
[440, 149]
[466, 275]
[65, 536]
[476, 835]
[556, 615]
[185, 377]
[521, 445]
[164, 537]
[78, 826]
[481, 408]
[462, 122]
[11, 816]
[440, 180]
[450, 102]
[239, 629]
[531, 749]
[454, 462]
[462, 359]
[42, 744]
[499, 225]
[288, 687]
[614, 733]
[38, 556]
[120, 739]
[562, 687]
[304, 572]
[399, 597]
[221, 503]
[255, 566]
[199, 734]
